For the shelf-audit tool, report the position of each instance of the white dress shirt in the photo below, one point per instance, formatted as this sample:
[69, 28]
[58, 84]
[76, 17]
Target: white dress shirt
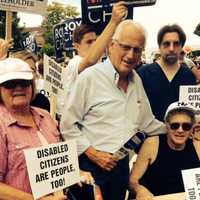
[101, 115]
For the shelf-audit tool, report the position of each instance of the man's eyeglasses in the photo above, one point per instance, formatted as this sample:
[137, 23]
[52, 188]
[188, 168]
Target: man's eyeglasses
[167, 44]
[127, 48]
[14, 83]
[185, 126]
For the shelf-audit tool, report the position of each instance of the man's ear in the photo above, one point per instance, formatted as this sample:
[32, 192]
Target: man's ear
[110, 45]
[76, 45]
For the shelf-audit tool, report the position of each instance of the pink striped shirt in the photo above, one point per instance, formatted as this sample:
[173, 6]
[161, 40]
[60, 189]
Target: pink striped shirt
[15, 137]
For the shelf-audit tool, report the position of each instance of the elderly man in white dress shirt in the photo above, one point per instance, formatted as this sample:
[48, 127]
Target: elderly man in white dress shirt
[107, 107]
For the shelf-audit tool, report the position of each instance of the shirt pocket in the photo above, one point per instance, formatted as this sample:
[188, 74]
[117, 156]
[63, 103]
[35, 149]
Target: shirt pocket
[16, 158]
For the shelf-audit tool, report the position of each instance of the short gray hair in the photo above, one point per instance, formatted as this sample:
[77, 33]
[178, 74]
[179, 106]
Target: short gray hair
[129, 22]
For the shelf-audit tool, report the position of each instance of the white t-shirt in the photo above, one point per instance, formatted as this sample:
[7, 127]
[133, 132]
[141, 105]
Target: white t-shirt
[70, 74]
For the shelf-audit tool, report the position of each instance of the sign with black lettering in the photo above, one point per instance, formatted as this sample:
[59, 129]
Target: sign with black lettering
[29, 6]
[191, 179]
[63, 35]
[190, 94]
[55, 167]
[53, 76]
[98, 13]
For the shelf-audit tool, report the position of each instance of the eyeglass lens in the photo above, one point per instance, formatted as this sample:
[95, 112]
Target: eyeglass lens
[14, 83]
[168, 43]
[185, 126]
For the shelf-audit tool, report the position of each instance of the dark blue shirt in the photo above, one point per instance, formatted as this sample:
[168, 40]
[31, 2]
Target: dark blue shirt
[160, 91]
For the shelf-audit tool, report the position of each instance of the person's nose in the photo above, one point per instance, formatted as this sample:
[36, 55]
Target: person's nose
[180, 129]
[171, 46]
[131, 53]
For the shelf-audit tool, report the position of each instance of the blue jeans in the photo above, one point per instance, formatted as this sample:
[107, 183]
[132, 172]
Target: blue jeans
[113, 184]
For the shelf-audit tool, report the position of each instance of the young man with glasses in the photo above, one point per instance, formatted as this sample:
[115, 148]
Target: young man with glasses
[108, 106]
[163, 78]
[157, 170]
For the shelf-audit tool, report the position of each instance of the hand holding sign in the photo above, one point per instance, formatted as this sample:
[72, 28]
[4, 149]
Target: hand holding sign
[119, 12]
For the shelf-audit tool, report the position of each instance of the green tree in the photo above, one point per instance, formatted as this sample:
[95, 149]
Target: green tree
[16, 29]
[56, 13]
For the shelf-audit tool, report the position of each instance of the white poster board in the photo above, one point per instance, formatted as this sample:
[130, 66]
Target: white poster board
[54, 82]
[29, 6]
[191, 179]
[53, 76]
[190, 94]
[52, 167]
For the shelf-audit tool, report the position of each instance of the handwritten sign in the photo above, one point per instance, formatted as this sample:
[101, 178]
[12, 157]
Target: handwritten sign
[190, 94]
[191, 179]
[52, 167]
[53, 76]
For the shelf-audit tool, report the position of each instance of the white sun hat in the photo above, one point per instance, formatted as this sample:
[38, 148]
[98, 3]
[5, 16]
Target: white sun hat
[14, 68]
[178, 105]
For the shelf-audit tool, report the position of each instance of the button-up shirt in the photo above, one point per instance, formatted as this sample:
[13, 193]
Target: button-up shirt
[16, 137]
[101, 115]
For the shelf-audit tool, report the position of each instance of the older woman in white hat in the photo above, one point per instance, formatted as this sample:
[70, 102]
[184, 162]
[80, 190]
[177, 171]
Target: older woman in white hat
[21, 127]
[157, 170]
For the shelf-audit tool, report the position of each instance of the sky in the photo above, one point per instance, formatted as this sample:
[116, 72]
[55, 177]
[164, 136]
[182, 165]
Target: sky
[186, 13]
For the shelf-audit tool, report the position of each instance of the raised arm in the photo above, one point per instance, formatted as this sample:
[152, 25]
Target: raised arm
[97, 49]
[145, 157]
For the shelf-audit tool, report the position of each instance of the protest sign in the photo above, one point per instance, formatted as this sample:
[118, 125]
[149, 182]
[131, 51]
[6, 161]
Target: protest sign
[52, 167]
[98, 13]
[63, 35]
[54, 85]
[191, 179]
[53, 76]
[30, 6]
[190, 94]
[29, 43]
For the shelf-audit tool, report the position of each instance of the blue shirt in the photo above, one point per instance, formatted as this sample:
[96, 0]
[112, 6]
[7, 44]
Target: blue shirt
[160, 91]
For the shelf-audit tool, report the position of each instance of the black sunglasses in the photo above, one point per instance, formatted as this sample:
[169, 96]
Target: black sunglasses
[14, 83]
[166, 44]
[185, 126]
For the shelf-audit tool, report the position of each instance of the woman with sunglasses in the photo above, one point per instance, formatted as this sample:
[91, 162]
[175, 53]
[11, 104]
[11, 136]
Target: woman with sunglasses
[21, 127]
[157, 170]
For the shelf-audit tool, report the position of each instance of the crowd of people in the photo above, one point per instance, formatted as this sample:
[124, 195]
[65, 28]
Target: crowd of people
[106, 104]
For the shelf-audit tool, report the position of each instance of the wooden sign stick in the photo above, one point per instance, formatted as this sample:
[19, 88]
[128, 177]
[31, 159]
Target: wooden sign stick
[8, 25]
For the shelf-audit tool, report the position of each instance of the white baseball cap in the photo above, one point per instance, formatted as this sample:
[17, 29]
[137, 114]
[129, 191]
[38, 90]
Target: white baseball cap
[178, 105]
[14, 68]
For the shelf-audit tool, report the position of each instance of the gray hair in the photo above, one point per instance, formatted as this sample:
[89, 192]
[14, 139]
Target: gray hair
[132, 23]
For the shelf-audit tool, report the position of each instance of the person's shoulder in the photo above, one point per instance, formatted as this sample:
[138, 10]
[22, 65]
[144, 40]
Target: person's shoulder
[188, 73]
[147, 68]
[92, 70]
[41, 111]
